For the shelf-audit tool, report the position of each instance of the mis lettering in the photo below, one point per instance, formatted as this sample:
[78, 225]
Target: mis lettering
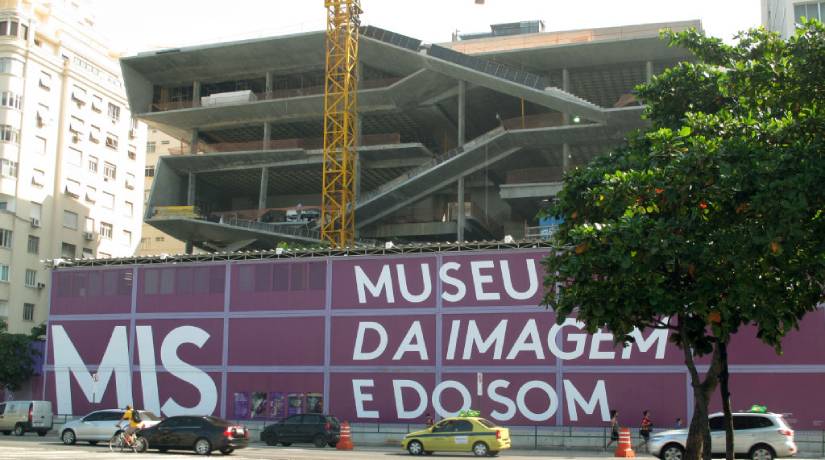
[67, 361]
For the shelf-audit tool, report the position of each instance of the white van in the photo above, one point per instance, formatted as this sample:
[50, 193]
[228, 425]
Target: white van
[19, 417]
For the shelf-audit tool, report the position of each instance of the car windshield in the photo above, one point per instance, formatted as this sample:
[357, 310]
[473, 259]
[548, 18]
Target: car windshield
[145, 415]
[486, 423]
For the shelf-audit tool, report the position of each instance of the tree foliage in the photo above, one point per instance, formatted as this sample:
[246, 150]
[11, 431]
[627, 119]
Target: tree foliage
[17, 356]
[712, 218]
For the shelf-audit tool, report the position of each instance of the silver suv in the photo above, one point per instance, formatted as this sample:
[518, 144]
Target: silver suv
[760, 436]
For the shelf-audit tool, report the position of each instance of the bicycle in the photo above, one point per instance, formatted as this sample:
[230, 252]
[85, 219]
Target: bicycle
[121, 442]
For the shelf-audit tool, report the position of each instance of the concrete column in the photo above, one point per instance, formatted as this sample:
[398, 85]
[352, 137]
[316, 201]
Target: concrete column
[196, 93]
[193, 142]
[264, 189]
[267, 134]
[462, 126]
[190, 190]
[565, 148]
[268, 83]
[648, 71]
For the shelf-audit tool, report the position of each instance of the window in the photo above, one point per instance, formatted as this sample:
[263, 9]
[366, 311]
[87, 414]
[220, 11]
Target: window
[28, 312]
[149, 171]
[33, 246]
[159, 239]
[14, 29]
[70, 220]
[73, 188]
[45, 80]
[114, 112]
[12, 66]
[109, 171]
[74, 157]
[106, 230]
[97, 103]
[9, 134]
[94, 134]
[38, 178]
[40, 145]
[111, 141]
[88, 253]
[91, 194]
[4, 273]
[166, 142]
[92, 164]
[128, 208]
[130, 181]
[131, 153]
[810, 10]
[127, 237]
[750, 422]
[108, 200]
[31, 278]
[151, 147]
[90, 225]
[79, 95]
[11, 100]
[68, 251]
[5, 238]
[8, 168]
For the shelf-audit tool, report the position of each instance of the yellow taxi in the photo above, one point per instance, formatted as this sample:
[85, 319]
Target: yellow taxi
[459, 434]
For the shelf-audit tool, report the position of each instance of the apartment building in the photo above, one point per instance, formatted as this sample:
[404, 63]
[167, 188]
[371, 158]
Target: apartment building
[70, 153]
[783, 15]
[154, 241]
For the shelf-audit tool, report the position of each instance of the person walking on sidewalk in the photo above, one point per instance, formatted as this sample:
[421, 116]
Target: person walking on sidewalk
[644, 430]
[614, 427]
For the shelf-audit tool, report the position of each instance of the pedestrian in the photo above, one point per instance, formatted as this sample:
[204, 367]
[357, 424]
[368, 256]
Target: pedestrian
[429, 420]
[614, 427]
[678, 423]
[644, 430]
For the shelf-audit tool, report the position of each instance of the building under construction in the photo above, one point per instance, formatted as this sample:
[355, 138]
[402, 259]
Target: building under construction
[457, 141]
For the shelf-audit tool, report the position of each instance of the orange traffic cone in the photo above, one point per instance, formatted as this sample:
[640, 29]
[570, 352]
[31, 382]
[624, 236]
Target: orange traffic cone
[624, 449]
[345, 441]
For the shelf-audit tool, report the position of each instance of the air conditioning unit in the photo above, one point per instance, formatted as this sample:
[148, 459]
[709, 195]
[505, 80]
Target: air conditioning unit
[35, 222]
[88, 236]
[41, 285]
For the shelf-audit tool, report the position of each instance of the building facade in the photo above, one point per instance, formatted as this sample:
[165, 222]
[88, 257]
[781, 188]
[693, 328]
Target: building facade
[458, 141]
[154, 241]
[783, 15]
[70, 153]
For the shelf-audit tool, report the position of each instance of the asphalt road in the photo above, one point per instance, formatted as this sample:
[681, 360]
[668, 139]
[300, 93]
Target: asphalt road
[50, 448]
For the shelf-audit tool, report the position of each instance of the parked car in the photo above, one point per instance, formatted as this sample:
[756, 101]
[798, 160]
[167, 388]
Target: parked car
[760, 436]
[459, 434]
[203, 434]
[321, 430]
[101, 425]
[21, 417]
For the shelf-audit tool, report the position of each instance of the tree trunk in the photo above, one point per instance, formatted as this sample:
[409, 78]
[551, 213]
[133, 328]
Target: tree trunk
[699, 441]
[725, 390]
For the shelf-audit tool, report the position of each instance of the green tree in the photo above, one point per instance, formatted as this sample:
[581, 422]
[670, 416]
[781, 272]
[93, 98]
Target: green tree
[712, 218]
[17, 356]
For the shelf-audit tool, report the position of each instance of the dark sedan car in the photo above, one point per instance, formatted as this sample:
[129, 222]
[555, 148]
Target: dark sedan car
[203, 434]
[321, 430]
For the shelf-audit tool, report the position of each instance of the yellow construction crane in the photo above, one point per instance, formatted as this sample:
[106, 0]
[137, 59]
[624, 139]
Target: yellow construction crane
[340, 122]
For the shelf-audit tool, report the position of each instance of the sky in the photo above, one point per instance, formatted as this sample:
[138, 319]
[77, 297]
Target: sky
[133, 26]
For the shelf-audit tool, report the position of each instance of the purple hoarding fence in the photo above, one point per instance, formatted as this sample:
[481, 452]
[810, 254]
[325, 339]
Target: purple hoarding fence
[381, 339]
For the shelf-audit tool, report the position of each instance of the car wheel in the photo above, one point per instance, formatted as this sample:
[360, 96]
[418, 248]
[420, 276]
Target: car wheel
[286, 444]
[320, 441]
[415, 448]
[93, 443]
[672, 452]
[68, 437]
[480, 449]
[227, 450]
[761, 452]
[42, 433]
[203, 446]
[19, 430]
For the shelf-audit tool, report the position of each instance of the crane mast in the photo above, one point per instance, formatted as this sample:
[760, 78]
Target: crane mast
[340, 122]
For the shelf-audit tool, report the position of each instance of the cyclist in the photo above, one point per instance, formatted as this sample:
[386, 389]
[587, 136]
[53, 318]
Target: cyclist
[130, 415]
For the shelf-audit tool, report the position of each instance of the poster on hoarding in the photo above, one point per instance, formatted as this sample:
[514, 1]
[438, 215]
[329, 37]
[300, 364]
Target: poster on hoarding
[315, 403]
[294, 404]
[277, 405]
[258, 404]
[241, 404]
